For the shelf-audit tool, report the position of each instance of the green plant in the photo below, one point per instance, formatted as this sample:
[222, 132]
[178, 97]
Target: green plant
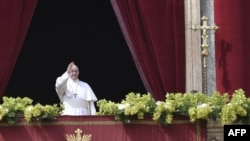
[237, 109]
[13, 108]
[39, 112]
[134, 104]
[196, 106]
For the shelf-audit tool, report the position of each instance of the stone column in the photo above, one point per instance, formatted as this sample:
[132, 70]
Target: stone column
[193, 46]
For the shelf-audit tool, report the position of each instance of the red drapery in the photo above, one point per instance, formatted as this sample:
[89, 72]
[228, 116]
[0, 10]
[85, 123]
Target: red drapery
[104, 128]
[154, 31]
[155, 34]
[15, 17]
[232, 45]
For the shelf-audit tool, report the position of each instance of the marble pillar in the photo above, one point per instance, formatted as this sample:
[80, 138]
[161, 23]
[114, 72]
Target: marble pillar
[192, 47]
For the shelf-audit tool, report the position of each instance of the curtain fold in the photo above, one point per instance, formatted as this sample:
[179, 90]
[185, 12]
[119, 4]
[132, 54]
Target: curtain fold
[15, 17]
[232, 45]
[155, 34]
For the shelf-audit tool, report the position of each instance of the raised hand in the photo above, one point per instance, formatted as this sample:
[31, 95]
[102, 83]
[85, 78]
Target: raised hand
[71, 64]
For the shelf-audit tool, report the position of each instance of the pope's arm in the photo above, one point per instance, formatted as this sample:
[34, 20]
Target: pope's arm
[92, 108]
[61, 84]
[91, 98]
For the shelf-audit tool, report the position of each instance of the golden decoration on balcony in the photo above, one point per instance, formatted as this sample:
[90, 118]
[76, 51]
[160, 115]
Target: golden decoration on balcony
[204, 53]
[78, 136]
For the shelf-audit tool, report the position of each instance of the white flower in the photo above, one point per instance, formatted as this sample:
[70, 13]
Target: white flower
[123, 106]
[203, 105]
[159, 103]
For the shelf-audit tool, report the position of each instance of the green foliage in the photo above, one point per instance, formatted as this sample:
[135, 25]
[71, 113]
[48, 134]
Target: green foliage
[135, 104]
[106, 107]
[39, 112]
[13, 108]
[237, 109]
[196, 106]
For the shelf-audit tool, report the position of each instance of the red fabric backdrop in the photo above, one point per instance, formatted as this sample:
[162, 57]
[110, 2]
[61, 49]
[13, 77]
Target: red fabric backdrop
[104, 128]
[232, 45]
[154, 31]
[155, 34]
[15, 17]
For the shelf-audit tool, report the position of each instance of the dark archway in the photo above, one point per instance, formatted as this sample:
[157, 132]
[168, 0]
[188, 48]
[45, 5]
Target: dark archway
[86, 32]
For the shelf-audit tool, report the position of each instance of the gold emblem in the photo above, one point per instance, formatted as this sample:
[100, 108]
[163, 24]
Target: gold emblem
[78, 136]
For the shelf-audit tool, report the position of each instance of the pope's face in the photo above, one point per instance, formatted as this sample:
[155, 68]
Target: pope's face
[74, 73]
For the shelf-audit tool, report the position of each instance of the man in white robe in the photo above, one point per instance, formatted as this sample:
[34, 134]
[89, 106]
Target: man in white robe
[77, 96]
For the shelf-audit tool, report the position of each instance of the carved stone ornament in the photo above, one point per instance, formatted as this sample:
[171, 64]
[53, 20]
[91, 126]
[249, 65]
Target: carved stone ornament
[78, 136]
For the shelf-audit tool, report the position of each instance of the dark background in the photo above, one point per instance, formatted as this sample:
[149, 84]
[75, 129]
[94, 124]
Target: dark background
[85, 32]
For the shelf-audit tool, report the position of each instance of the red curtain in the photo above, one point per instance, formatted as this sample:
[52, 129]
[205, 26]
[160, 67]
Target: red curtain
[104, 128]
[232, 45]
[15, 17]
[155, 34]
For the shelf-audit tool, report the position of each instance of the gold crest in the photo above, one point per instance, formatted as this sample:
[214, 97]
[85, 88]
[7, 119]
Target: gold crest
[78, 136]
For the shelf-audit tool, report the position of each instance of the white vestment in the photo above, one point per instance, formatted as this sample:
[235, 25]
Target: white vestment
[77, 96]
